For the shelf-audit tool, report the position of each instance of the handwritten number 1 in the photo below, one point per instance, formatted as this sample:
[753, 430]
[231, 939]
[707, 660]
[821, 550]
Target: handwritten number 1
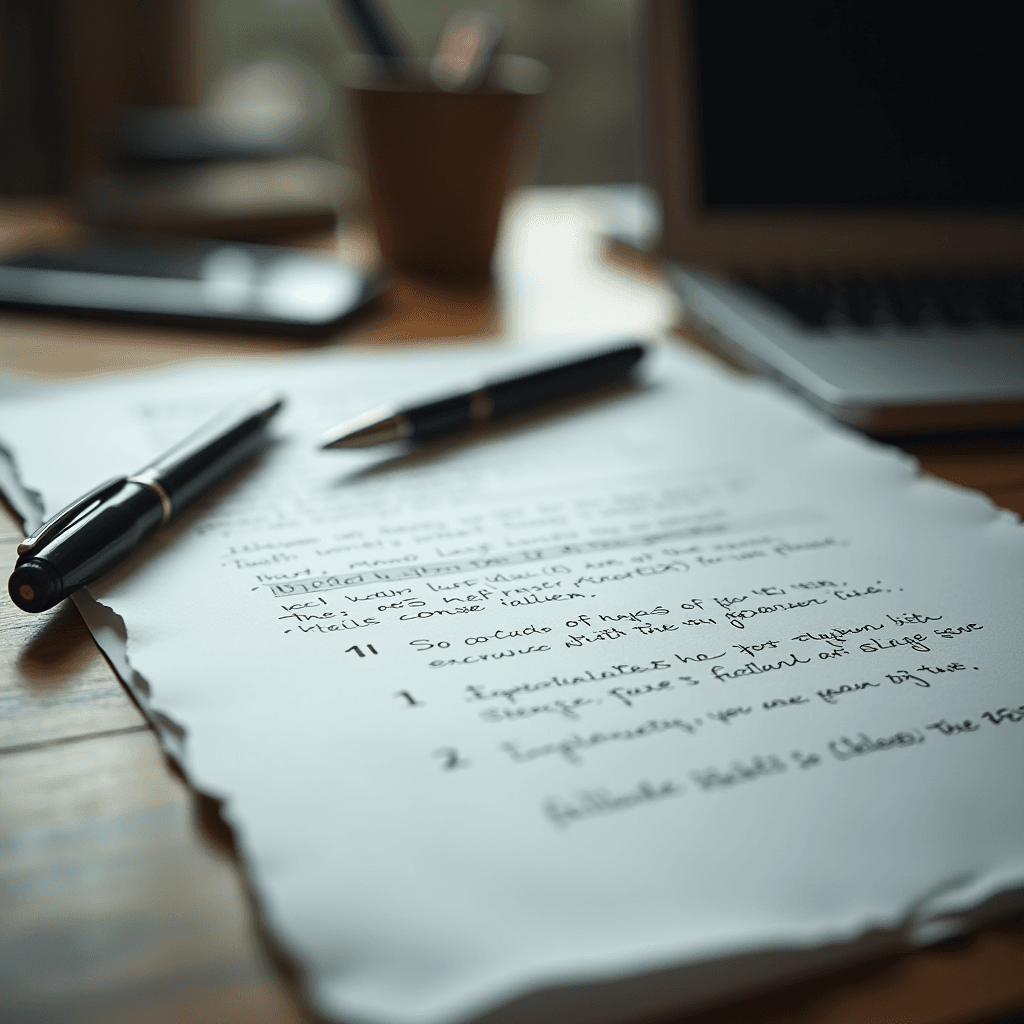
[451, 759]
[359, 650]
[413, 702]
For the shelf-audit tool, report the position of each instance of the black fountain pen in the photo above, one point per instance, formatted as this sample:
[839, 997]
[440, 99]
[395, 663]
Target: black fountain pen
[493, 401]
[102, 528]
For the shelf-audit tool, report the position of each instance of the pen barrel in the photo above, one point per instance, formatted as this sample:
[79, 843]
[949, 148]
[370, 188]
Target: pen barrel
[439, 419]
[522, 394]
[545, 387]
[205, 458]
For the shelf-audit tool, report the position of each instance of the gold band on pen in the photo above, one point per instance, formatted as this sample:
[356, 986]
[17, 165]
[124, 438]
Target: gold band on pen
[147, 479]
[481, 406]
[403, 425]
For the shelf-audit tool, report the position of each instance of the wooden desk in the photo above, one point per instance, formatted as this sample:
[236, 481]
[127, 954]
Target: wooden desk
[120, 899]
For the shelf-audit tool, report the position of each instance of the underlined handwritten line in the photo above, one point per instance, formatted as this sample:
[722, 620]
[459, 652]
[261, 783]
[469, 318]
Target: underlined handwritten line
[526, 556]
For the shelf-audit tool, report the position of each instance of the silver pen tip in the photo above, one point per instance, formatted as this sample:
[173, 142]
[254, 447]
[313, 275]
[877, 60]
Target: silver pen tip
[379, 426]
[268, 404]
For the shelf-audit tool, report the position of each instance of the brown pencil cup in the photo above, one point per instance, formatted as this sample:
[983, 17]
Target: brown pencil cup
[439, 164]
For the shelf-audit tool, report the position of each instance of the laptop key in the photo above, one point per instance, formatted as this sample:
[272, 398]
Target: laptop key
[959, 301]
[857, 302]
[905, 298]
[1004, 299]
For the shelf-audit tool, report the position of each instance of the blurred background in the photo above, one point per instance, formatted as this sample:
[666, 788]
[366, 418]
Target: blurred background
[179, 113]
[590, 109]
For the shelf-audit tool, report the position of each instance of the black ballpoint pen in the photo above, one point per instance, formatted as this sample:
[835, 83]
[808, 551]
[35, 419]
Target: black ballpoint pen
[493, 401]
[102, 528]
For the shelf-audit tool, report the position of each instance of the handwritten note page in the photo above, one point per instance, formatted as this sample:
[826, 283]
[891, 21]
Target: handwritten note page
[689, 674]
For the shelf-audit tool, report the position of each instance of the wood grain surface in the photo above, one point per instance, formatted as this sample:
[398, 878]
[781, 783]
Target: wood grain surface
[121, 900]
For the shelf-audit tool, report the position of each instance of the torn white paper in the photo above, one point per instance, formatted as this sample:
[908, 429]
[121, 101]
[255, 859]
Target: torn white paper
[687, 675]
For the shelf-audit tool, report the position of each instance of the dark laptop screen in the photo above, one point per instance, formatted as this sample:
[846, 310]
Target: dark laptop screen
[859, 104]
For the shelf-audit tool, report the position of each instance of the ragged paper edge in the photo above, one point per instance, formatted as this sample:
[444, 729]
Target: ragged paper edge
[109, 631]
[702, 982]
[106, 626]
[27, 504]
[615, 991]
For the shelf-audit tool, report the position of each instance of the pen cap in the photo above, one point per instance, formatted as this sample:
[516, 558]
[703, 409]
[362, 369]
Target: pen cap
[34, 586]
[74, 553]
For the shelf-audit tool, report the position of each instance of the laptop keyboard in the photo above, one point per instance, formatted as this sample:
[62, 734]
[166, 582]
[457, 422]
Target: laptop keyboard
[881, 301]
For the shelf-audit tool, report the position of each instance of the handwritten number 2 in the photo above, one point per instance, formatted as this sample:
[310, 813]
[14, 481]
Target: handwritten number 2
[359, 650]
[451, 759]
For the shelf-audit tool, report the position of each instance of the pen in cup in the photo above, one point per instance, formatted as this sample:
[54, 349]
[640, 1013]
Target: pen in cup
[376, 35]
[464, 52]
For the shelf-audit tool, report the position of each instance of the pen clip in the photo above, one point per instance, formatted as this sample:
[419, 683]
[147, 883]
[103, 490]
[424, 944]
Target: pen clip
[68, 515]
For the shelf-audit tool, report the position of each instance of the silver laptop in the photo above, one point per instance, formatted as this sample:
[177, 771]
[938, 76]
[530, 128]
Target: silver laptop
[843, 201]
